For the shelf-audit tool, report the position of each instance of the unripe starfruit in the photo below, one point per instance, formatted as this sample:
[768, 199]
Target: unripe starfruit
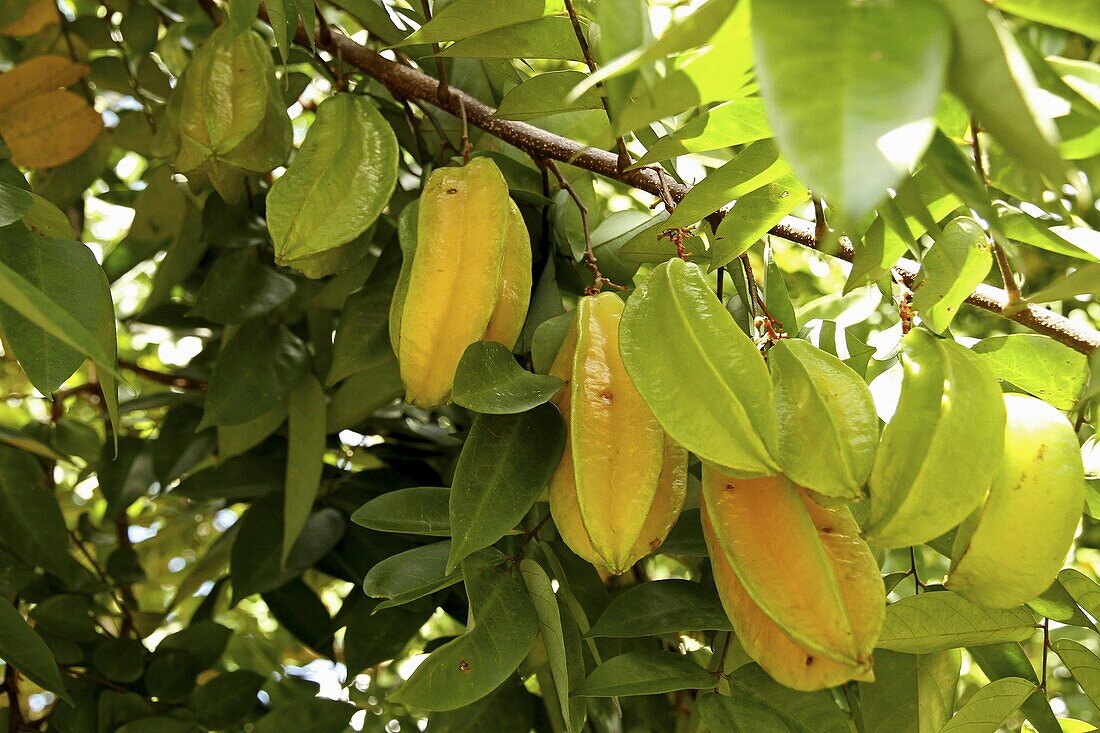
[801, 588]
[621, 482]
[1009, 551]
[942, 448]
[467, 278]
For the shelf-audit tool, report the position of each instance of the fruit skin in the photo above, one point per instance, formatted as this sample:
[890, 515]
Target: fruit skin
[514, 293]
[801, 588]
[462, 226]
[1010, 550]
[615, 454]
[939, 453]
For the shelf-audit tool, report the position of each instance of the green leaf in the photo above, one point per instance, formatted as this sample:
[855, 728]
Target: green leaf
[375, 637]
[233, 440]
[1036, 364]
[362, 335]
[308, 715]
[1082, 663]
[753, 215]
[828, 428]
[299, 611]
[1084, 281]
[911, 693]
[1083, 589]
[305, 459]
[505, 464]
[932, 622]
[551, 37]
[409, 575]
[255, 565]
[737, 122]
[239, 287]
[990, 706]
[508, 708]
[464, 18]
[488, 380]
[362, 393]
[1010, 660]
[989, 73]
[337, 185]
[55, 306]
[120, 660]
[956, 264]
[757, 165]
[662, 607]
[228, 699]
[34, 528]
[645, 672]
[38, 214]
[877, 83]
[256, 372]
[24, 649]
[502, 629]
[1078, 16]
[699, 373]
[756, 696]
[418, 510]
[737, 715]
[1077, 242]
[546, 605]
[545, 94]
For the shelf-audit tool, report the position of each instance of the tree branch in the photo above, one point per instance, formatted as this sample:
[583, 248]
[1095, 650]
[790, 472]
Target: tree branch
[404, 81]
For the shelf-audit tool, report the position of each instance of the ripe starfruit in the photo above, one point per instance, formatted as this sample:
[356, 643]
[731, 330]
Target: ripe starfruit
[801, 588]
[621, 482]
[465, 277]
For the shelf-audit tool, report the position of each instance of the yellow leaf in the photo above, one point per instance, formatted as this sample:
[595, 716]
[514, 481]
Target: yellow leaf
[49, 129]
[40, 14]
[37, 75]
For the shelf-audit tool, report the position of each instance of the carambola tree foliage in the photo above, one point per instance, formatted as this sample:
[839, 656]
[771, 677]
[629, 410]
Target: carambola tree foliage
[549, 365]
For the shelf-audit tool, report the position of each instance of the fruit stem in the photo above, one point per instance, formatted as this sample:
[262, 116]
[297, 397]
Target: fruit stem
[589, 257]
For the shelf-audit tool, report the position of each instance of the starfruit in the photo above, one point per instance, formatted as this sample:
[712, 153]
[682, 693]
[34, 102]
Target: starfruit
[228, 112]
[1009, 551]
[828, 429]
[701, 375]
[621, 482]
[941, 449]
[468, 277]
[514, 293]
[801, 588]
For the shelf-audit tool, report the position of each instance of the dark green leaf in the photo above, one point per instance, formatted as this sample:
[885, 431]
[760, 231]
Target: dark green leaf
[418, 510]
[505, 464]
[473, 665]
[648, 672]
[662, 607]
[26, 651]
[305, 458]
[489, 381]
[239, 287]
[256, 373]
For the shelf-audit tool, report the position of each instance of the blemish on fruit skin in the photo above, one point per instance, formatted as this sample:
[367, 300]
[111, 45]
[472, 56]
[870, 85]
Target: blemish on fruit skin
[729, 487]
[654, 543]
[606, 395]
[809, 661]
[826, 530]
[452, 190]
[464, 666]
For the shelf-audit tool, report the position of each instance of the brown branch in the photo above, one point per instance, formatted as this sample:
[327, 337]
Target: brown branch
[624, 155]
[1012, 288]
[408, 82]
[178, 381]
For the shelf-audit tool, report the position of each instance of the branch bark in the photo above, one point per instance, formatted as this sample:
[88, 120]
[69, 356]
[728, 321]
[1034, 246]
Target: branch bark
[407, 82]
